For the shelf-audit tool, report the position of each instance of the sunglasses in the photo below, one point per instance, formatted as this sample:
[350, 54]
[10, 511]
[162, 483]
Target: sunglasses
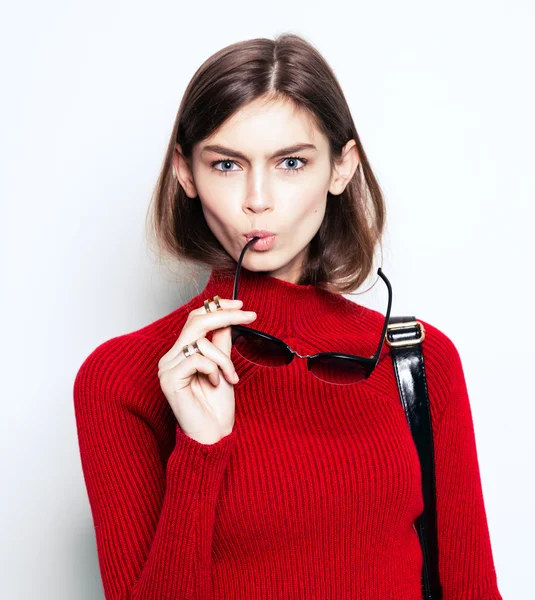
[266, 350]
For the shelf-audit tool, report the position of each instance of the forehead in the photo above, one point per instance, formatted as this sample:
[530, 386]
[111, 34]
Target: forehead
[260, 128]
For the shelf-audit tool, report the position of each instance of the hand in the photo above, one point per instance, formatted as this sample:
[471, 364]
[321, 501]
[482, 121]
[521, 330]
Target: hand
[203, 401]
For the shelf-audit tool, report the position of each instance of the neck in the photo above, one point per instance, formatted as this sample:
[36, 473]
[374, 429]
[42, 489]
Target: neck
[283, 307]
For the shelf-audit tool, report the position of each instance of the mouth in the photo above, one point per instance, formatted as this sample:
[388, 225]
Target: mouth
[261, 233]
[265, 241]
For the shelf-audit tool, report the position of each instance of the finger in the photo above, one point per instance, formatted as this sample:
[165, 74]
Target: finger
[167, 364]
[215, 353]
[197, 363]
[200, 324]
[212, 352]
[225, 303]
[221, 337]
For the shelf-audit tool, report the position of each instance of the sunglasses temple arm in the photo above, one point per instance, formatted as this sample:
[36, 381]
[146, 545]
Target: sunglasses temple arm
[387, 316]
[238, 267]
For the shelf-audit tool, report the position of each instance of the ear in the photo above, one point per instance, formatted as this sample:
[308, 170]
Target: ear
[345, 168]
[182, 172]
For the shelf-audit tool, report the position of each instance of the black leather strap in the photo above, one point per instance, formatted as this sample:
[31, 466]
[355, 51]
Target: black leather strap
[404, 336]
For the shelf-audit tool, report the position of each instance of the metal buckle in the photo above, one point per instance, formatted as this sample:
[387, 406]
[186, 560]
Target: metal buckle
[405, 325]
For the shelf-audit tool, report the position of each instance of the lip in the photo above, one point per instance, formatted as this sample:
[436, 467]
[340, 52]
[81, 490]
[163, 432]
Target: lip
[261, 233]
[266, 241]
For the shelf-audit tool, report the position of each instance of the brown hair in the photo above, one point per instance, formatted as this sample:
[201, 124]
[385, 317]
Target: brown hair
[289, 68]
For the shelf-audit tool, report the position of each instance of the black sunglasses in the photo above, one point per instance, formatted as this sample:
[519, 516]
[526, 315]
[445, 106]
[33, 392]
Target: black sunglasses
[332, 367]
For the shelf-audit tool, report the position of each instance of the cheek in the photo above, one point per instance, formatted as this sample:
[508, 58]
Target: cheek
[307, 205]
[306, 198]
[216, 212]
[216, 201]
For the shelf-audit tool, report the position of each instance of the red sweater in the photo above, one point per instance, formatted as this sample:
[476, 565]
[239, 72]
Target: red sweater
[314, 493]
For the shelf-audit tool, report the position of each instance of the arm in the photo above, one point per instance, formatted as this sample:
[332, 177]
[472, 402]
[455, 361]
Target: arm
[465, 555]
[153, 525]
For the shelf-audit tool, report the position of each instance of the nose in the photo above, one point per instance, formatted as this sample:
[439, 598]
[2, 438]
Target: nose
[258, 197]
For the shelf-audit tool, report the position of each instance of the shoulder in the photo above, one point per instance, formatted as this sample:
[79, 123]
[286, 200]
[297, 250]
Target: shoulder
[443, 366]
[126, 366]
[438, 346]
[437, 343]
[439, 349]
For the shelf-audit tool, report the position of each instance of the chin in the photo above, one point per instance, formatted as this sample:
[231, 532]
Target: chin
[262, 262]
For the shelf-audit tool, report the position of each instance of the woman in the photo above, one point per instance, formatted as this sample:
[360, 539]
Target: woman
[212, 469]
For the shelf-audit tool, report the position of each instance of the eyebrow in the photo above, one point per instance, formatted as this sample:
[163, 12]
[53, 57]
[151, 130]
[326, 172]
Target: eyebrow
[235, 154]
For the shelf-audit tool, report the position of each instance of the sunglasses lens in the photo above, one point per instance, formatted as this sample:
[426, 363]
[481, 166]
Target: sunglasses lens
[341, 371]
[260, 350]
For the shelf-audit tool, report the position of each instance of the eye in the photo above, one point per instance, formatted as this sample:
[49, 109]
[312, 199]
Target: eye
[227, 162]
[292, 160]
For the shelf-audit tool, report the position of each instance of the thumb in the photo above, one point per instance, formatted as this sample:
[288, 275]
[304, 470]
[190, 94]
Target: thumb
[222, 339]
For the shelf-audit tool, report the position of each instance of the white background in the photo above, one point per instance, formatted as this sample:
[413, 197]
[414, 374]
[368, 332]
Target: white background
[442, 95]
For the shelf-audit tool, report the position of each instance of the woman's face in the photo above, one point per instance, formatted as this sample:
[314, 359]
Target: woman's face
[257, 178]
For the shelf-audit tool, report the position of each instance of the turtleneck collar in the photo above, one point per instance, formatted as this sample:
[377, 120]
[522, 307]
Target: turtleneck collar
[304, 312]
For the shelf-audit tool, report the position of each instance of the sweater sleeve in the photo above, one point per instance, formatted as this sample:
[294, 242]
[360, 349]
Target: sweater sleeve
[466, 563]
[153, 522]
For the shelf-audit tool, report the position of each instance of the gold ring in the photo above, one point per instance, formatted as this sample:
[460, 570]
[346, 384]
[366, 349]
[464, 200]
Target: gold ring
[207, 306]
[216, 301]
[188, 352]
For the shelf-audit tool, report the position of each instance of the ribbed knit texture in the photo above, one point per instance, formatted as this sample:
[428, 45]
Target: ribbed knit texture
[314, 493]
